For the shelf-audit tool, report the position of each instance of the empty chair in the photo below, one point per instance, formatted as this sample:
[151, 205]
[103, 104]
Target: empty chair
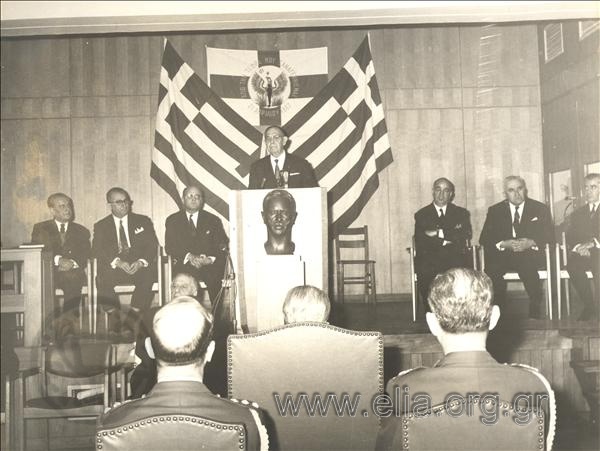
[303, 363]
[363, 273]
[71, 359]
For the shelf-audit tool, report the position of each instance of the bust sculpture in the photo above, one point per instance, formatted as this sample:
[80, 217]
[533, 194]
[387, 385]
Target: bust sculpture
[279, 215]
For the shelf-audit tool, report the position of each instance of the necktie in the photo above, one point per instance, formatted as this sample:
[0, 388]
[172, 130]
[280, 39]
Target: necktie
[441, 213]
[593, 210]
[123, 244]
[63, 235]
[516, 222]
[277, 174]
[192, 225]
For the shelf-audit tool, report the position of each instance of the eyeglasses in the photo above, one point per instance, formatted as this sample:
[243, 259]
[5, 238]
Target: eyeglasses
[120, 203]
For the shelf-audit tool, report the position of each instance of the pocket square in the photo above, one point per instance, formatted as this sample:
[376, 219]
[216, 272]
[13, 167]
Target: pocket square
[138, 230]
[458, 226]
[208, 232]
[534, 219]
[294, 173]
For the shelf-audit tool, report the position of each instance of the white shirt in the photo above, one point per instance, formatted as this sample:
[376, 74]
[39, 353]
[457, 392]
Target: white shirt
[440, 232]
[125, 226]
[189, 254]
[280, 161]
[58, 257]
[513, 209]
[194, 217]
[594, 206]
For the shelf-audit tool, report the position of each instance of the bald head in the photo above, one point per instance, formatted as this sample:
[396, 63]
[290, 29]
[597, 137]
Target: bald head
[181, 332]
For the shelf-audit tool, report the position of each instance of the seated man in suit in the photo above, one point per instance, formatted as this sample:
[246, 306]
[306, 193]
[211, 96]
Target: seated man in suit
[583, 240]
[197, 241]
[461, 316]
[69, 243]
[280, 169]
[306, 303]
[514, 235]
[441, 233]
[125, 245]
[181, 343]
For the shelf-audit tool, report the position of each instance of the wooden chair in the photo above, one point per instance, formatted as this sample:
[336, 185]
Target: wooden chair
[358, 240]
[87, 295]
[326, 361]
[414, 288]
[543, 274]
[71, 359]
[562, 274]
[442, 428]
[180, 432]
[157, 287]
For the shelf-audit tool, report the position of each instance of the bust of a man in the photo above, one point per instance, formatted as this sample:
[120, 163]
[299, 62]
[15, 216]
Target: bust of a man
[279, 214]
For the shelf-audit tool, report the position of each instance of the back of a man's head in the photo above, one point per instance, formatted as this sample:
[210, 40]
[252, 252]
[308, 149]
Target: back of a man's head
[181, 332]
[306, 303]
[461, 300]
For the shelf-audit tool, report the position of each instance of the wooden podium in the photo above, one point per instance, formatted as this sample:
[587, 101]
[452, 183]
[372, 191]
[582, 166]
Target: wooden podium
[262, 279]
[27, 288]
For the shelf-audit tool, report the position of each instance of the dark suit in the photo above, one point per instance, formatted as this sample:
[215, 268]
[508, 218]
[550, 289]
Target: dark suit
[300, 173]
[209, 239]
[76, 247]
[460, 373]
[536, 224]
[583, 228]
[142, 238]
[433, 257]
[192, 398]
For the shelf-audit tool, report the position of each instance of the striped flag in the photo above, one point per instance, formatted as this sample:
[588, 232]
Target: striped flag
[199, 138]
[342, 133]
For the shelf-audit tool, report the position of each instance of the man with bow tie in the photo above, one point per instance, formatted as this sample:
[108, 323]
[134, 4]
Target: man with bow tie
[280, 169]
[583, 240]
[197, 241]
[514, 236]
[442, 230]
[125, 245]
[69, 243]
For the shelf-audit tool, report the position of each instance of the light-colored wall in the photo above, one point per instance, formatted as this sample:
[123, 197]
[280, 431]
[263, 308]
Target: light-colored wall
[461, 102]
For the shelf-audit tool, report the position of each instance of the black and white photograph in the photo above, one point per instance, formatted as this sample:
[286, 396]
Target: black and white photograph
[300, 225]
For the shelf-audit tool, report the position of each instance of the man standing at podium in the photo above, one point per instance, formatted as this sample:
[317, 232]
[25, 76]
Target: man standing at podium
[280, 169]
[69, 243]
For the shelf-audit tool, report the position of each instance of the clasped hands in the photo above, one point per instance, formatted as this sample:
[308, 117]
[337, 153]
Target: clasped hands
[198, 261]
[518, 244]
[583, 249]
[65, 264]
[129, 268]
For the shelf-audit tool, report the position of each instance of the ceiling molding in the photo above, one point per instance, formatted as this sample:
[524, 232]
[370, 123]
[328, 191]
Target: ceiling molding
[423, 13]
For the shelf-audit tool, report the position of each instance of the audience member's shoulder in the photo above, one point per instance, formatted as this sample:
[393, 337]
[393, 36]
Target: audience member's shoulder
[530, 374]
[404, 376]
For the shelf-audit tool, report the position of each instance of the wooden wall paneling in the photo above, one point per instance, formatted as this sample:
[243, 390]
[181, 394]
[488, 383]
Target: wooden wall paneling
[35, 68]
[560, 142]
[588, 118]
[35, 163]
[111, 151]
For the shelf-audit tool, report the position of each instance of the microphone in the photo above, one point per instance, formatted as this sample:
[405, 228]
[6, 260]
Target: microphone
[262, 184]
